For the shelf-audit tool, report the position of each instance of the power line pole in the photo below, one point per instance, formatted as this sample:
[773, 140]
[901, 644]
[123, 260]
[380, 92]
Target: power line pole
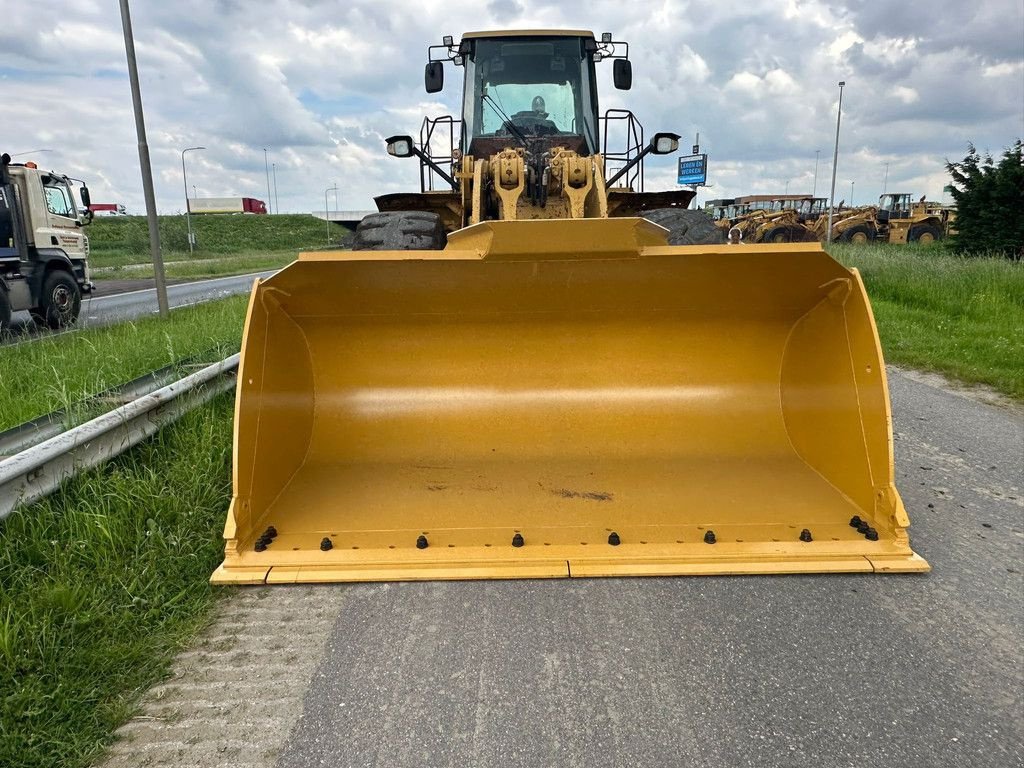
[835, 160]
[267, 166]
[814, 190]
[147, 171]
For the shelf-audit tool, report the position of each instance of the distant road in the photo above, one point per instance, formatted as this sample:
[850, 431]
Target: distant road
[118, 307]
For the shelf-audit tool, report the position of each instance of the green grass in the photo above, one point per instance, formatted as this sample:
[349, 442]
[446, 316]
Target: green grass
[101, 583]
[58, 371]
[223, 266]
[120, 240]
[959, 316]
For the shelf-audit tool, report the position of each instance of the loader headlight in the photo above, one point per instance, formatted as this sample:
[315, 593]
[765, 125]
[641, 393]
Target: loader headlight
[400, 146]
[664, 143]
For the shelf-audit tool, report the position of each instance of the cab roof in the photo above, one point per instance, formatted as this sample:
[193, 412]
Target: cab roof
[530, 33]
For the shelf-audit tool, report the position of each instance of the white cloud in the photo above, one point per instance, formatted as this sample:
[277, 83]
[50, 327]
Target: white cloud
[321, 83]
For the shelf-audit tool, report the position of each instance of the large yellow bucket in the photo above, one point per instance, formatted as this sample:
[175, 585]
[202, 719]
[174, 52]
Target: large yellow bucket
[562, 398]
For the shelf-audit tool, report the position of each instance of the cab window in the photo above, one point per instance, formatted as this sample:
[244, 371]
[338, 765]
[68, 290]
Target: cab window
[58, 201]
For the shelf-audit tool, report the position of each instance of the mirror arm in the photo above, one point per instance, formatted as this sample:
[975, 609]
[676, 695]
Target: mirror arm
[437, 168]
[630, 165]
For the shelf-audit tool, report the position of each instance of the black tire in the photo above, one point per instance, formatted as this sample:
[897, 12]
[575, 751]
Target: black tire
[5, 311]
[60, 301]
[858, 234]
[400, 231]
[686, 227]
[778, 235]
[929, 232]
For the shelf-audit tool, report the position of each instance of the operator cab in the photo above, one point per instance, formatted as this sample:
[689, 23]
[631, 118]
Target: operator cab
[519, 88]
[895, 205]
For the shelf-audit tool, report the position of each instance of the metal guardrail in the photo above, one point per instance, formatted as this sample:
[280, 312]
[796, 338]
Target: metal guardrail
[34, 431]
[39, 470]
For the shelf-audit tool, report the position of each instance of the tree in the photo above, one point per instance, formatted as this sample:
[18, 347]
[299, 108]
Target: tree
[989, 201]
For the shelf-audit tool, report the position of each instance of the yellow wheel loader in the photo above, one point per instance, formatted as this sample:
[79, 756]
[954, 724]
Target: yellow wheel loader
[522, 372]
[894, 220]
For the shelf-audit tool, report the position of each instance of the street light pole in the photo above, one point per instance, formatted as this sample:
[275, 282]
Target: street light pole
[265, 164]
[327, 212]
[277, 206]
[814, 189]
[835, 160]
[188, 205]
[885, 181]
[851, 193]
[147, 171]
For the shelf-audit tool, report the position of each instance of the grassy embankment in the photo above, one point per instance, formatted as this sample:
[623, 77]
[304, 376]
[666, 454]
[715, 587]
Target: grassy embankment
[101, 583]
[963, 317]
[226, 245]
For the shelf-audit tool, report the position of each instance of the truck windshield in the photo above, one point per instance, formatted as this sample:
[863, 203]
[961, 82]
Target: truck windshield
[530, 86]
[58, 200]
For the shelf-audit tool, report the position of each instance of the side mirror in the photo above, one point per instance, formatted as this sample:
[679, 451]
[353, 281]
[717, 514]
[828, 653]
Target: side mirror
[433, 76]
[400, 146]
[664, 143]
[622, 74]
[84, 194]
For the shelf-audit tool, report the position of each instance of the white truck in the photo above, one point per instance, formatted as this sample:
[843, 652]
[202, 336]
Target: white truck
[44, 254]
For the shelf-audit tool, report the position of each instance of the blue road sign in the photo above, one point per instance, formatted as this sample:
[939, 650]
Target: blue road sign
[693, 169]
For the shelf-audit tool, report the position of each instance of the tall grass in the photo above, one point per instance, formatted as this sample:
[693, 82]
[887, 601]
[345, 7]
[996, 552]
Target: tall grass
[54, 372]
[101, 583]
[937, 311]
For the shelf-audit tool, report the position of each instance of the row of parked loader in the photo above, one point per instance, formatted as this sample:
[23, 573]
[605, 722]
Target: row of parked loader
[802, 218]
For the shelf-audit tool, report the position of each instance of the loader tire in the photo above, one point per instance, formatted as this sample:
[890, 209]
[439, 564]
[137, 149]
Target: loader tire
[400, 231]
[686, 227]
[924, 234]
[858, 235]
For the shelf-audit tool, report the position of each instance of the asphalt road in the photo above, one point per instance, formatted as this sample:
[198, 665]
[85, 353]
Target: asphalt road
[107, 309]
[819, 671]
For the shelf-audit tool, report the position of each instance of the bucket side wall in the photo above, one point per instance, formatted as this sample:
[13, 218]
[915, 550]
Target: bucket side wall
[274, 411]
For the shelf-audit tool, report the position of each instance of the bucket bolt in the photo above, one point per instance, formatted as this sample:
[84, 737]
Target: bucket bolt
[421, 542]
[855, 521]
[266, 539]
[863, 527]
[805, 535]
[517, 540]
[613, 539]
[709, 537]
[326, 544]
[871, 534]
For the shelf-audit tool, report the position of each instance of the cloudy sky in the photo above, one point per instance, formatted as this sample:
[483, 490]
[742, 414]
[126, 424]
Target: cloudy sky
[320, 83]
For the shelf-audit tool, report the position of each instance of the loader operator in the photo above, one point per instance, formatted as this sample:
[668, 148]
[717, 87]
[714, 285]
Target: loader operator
[535, 120]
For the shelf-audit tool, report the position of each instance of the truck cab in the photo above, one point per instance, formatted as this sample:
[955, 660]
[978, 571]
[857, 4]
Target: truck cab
[44, 266]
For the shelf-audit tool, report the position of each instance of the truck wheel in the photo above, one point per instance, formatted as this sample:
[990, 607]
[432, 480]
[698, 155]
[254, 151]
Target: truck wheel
[924, 234]
[860, 234]
[5, 311]
[400, 231]
[60, 301]
[686, 227]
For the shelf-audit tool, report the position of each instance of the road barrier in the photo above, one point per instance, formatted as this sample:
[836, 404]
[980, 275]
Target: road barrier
[39, 469]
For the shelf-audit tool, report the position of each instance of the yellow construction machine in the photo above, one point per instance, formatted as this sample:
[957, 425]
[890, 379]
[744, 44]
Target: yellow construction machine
[521, 374]
[894, 220]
